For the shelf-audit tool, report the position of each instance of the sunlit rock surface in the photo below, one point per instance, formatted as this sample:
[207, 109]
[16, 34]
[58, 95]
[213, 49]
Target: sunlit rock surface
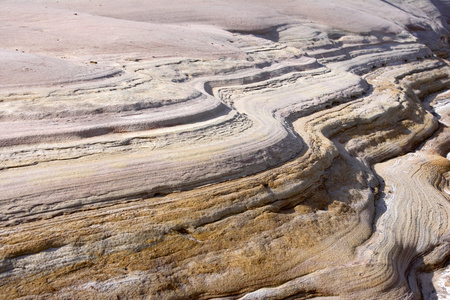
[224, 149]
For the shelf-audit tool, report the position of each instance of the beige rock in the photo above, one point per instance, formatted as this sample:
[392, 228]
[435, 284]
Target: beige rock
[238, 150]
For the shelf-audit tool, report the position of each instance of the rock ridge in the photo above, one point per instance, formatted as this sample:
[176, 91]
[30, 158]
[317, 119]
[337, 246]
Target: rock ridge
[304, 155]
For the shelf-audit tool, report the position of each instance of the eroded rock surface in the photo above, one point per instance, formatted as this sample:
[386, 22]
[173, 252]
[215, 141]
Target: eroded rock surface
[238, 150]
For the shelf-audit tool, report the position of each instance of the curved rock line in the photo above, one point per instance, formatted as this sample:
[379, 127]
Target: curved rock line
[281, 192]
[408, 229]
[270, 191]
[167, 165]
[387, 273]
[272, 134]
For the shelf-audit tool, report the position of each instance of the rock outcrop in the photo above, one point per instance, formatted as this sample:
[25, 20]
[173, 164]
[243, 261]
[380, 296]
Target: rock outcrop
[239, 150]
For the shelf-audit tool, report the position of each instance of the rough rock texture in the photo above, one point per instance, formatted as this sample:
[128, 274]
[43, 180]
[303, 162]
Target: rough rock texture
[224, 149]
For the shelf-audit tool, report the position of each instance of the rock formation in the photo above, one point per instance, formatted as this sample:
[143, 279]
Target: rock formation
[224, 149]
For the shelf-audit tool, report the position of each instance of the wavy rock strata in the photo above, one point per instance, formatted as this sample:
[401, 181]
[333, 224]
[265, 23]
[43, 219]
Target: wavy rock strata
[256, 150]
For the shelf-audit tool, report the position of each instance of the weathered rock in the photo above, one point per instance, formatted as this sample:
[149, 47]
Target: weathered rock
[239, 150]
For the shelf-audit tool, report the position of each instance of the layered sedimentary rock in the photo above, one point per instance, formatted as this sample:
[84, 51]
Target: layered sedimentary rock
[239, 150]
